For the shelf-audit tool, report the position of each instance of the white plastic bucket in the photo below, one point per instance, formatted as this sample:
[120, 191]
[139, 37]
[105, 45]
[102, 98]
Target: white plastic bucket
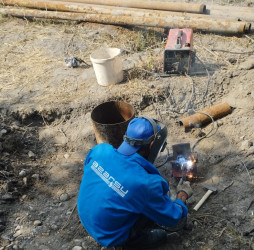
[107, 66]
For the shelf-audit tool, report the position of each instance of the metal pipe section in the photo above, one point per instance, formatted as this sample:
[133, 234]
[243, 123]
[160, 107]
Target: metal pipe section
[170, 21]
[110, 121]
[198, 119]
[231, 12]
[60, 5]
[91, 8]
[142, 4]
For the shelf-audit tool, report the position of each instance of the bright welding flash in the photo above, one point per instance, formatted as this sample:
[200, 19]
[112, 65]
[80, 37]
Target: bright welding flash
[189, 164]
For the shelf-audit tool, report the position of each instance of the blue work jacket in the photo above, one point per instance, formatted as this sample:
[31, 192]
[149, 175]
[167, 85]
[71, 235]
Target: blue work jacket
[116, 189]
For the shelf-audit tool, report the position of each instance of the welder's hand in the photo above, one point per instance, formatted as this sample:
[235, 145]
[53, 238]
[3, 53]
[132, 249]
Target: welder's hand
[185, 187]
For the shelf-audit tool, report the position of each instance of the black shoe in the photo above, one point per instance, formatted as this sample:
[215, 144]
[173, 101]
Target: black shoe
[146, 239]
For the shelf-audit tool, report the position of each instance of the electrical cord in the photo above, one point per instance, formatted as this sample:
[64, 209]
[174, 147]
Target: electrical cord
[166, 159]
[209, 133]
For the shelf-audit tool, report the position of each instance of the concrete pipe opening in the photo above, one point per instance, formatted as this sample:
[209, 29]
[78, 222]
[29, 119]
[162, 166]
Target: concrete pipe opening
[110, 121]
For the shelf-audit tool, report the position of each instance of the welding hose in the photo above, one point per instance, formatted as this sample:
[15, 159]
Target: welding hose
[208, 134]
[166, 159]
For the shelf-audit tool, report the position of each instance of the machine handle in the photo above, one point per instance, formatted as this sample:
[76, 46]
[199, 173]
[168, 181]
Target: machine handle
[200, 203]
[178, 40]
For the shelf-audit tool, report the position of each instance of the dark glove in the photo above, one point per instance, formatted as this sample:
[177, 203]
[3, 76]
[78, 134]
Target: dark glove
[185, 187]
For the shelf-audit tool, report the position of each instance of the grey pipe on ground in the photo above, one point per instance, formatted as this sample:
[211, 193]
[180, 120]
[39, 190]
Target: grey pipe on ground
[142, 4]
[91, 8]
[215, 11]
[231, 12]
[120, 16]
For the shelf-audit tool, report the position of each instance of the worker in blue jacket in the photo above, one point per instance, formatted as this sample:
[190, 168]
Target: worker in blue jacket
[122, 195]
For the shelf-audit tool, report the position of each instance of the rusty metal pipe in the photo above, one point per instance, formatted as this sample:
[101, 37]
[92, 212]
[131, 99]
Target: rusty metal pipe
[91, 8]
[154, 5]
[198, 119]
[231, 12]
[110, 121]
[211, 25]
[59, 5]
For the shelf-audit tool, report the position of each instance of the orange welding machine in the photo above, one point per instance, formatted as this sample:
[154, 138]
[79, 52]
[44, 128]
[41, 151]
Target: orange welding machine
[178, 51]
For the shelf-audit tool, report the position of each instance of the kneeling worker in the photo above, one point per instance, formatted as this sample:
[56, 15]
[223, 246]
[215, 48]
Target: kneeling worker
[122, 195]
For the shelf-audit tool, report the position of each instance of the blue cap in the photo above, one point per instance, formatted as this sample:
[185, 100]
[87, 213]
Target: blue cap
[138, 128]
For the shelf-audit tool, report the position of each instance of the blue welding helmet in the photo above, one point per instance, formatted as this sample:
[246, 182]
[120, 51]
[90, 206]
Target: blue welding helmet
[142, 131]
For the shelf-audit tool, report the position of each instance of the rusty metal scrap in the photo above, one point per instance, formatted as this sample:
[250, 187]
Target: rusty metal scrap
[198, 119]
[169, 21]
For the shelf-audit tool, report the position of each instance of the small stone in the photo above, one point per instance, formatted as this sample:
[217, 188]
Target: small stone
[15, 247]
[84, 246]
[242, 137]
[18, 218]
[64, 197]
[17, 228]
[220, 123]
[200, 243]
[54, 226]
[7, 197]
[23, 173]
[45, 233]
[251, 151]
[18, 233]
[77, 248]
[37, 223]
[25, 181]
[187, 244]
[23, 197]
[246, 145]
[248, 64]
[3, 131]
[210, 242]
[36, 176]
[195, 223]
[31, 154]
[77, 241]
[89, 239]
[224, 209]
[230, 74]
[233, 61]
[66, 156]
